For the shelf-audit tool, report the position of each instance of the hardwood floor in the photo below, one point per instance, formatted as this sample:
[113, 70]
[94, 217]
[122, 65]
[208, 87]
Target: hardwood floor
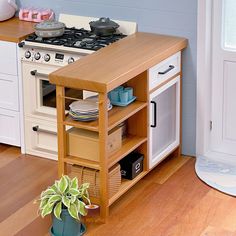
[170, 201]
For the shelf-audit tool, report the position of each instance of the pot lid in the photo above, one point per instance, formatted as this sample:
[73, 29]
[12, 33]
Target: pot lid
[104, 22]
[49, 25]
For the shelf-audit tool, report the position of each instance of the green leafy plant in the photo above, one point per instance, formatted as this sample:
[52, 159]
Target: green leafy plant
[65, 194]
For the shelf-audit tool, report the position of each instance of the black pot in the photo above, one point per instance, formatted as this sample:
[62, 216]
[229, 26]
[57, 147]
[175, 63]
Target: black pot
[103, 27]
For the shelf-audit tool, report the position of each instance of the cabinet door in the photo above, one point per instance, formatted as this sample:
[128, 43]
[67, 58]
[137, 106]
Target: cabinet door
[9, 127]
[9, 96]
[164, 121]
[8, 58]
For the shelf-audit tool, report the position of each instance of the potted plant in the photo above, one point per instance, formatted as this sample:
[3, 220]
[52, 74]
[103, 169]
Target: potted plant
[66, 201]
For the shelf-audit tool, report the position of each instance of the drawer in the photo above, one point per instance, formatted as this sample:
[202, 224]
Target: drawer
[161, 72]
[9, 95]
[41, 138]
[8, 59]
[9, 127]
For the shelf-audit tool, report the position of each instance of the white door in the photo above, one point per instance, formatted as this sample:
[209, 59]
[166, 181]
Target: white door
[223, 133]
[164, 121]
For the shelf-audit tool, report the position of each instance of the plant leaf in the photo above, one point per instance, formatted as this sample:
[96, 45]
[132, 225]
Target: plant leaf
[48, 191]
[73, 199]
[73, 210]
[57, 211]
[74, 192]
[81, 208]
[74, 183]
[47, 210]
[43, 202]
[55, 198]
[84, 186]
[66, 201]
[63, 184]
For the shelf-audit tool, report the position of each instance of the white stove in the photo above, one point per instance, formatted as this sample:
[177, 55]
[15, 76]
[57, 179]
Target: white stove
[40, 57]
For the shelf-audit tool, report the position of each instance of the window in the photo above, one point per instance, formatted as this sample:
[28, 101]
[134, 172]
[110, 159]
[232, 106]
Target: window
[229, 24]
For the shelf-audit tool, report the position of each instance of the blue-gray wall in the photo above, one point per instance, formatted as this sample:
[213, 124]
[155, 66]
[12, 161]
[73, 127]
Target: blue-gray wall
[173, 17]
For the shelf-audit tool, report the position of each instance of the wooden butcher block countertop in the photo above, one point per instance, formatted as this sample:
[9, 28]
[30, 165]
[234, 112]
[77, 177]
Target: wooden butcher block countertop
[14, 30]
[115, 64]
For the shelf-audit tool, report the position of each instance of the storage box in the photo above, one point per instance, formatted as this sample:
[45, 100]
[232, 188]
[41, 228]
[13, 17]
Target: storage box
[131, 165]
[85, 144]
[88, 175]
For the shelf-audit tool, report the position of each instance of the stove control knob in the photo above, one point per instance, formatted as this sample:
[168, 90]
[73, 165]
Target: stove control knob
[71, 60]
[37, 56]
[27, 54]
[47, 58]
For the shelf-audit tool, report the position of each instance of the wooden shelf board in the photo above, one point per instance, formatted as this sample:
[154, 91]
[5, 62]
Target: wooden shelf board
[125, 186]
[119, 114]
[90, 125]
[115, 117]
[128, 145]
[82, 162]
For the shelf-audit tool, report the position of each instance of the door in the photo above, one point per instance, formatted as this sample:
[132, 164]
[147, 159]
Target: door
[164, 121]
[223, 126]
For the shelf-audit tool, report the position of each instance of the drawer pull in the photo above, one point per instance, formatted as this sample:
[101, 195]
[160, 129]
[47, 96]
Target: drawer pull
[155, 114]
[37, 129]
[171, 67]
[35, 72]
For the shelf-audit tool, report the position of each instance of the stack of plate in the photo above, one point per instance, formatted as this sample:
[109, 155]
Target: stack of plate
[86, 110]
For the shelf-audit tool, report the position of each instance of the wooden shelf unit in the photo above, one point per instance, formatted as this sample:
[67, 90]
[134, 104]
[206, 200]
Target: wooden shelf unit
[127, 63]
[136, 117]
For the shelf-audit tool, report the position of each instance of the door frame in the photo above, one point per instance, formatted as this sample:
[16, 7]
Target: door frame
[204, 77]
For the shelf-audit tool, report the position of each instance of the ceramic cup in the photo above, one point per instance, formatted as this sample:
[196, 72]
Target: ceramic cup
[130, 92]
[124, 96]
[119, 88]
[114, 95]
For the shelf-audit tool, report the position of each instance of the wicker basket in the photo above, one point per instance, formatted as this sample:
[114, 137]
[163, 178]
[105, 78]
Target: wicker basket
[88, 175]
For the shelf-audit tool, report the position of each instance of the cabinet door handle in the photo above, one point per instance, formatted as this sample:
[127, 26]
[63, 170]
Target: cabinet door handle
[155, 115]
[37, 129]
[171, 67]
[35, 72]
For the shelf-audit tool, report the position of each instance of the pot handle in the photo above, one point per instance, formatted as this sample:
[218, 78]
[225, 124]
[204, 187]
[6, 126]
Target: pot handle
[13, 4]
[51, 17]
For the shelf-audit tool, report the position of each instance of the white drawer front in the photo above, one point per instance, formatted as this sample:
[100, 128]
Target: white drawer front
[9, 127]
[164, 70]
[8, 58]
[9, 95]
[41, 138]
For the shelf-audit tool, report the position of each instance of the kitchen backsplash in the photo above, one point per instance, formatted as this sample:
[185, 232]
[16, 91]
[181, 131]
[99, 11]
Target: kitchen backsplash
[157, 16]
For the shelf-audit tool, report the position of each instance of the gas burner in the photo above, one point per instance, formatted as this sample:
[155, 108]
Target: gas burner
[78, 38]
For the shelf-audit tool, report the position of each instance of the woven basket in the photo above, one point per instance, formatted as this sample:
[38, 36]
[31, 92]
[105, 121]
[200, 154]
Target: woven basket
[88, 175]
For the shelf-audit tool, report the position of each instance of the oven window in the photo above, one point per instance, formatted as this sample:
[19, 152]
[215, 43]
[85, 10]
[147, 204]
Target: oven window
[48, 94]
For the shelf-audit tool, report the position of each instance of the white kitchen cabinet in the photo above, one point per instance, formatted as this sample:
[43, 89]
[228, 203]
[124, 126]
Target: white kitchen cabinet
[164, 121]
[9, 127]
[9, 95]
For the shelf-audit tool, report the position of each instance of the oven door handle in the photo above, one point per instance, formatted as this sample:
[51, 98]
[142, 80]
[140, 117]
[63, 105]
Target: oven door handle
[35, 72]
[37, 129]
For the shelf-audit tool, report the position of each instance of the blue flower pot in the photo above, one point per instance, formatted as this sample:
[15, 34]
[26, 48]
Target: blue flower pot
[68, 226]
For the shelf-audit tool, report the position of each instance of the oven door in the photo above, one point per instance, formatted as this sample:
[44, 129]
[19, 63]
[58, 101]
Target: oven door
[39, 94]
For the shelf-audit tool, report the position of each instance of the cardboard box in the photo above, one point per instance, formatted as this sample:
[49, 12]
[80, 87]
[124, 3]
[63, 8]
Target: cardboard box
[85, 144]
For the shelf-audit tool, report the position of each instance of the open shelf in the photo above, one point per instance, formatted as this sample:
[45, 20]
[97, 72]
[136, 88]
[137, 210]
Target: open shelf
[125, 186]
[115, 116]
[82, 162]
[129, 144]
[120, 114]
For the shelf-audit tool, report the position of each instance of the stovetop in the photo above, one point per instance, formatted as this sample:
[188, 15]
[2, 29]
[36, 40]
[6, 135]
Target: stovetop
[78, 38]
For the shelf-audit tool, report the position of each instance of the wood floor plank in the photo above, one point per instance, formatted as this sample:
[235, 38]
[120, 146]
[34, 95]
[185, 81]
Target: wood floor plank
[18, 220]
[8, 154]
[33, 176]
[214, 231]
[169, 201]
